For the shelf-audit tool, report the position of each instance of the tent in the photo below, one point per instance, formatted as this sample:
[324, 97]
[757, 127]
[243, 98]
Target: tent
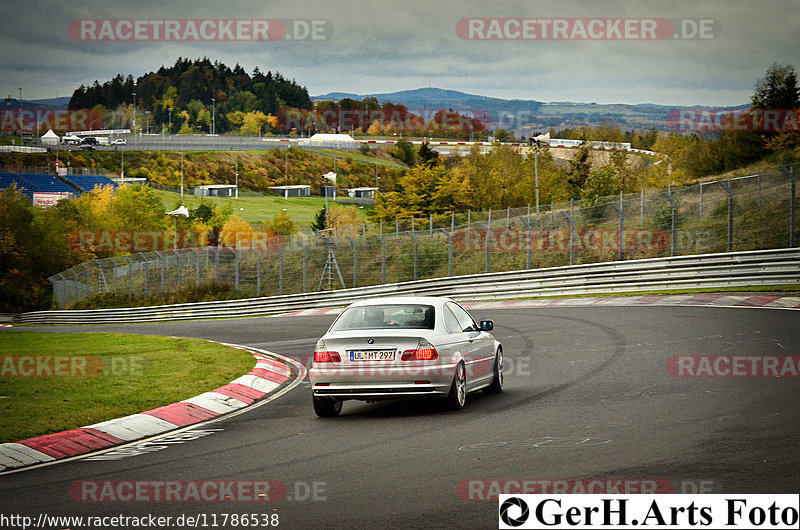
[50, 138]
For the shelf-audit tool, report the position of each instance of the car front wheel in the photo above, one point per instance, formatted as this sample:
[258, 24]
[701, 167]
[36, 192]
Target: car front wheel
[497, 382]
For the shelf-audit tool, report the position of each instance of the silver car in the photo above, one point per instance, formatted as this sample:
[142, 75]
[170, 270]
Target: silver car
[413, 346]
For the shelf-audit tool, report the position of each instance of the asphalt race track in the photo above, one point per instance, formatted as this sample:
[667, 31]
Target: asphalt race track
[588, 396]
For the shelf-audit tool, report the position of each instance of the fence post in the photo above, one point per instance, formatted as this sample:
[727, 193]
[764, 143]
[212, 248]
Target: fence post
[674, 221]
[355, 260]
[488, 241]
[449, 250]
[179, 264]
[430, 225]
[216, 264]
[197, 266]
[700, 214]
[527, 223]
[236, 269]
[383, 257]
[130, 276]
[792, 186]
[280, 271]
[258, 274]
[416, 254]
[146, 275]
[571, 237]
[88, 280]
[621, 224]
[727, 187]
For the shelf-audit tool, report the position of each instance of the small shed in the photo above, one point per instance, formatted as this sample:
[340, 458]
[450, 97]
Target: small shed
[296, 190]
[216, 190]
[362, 193]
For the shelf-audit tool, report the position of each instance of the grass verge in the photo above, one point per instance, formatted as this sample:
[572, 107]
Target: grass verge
[84, 378]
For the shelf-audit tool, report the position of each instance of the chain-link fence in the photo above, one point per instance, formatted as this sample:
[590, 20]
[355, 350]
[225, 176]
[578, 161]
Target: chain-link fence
[744, 213]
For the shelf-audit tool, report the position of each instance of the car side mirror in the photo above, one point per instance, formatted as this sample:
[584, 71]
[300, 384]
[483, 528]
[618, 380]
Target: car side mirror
[487, 325]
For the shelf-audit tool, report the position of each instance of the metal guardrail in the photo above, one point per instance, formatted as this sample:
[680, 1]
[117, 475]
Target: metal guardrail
[736, 269]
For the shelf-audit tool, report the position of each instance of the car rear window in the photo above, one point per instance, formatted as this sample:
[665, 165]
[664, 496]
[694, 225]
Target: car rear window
[396, 316]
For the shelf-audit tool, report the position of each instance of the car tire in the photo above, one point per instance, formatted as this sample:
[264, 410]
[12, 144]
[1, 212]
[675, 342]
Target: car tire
[327, 407]
[458, 390]
[497, 382]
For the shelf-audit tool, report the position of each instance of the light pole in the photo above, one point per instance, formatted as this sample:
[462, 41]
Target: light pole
[20, 114]
[339, 125]
[147, 118]
[169, 129]
[213, 115]
[134, 113]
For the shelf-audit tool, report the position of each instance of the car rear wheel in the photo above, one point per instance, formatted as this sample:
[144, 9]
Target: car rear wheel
[458, 390]
[327, 407]
[497, 382]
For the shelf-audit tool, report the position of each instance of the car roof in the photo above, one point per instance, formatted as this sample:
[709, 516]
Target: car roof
[436, 301]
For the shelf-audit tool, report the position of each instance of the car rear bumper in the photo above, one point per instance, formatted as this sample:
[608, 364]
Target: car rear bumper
[380, 382]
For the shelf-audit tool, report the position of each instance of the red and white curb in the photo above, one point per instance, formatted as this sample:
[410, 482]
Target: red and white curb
[270, 373]
[710, 299]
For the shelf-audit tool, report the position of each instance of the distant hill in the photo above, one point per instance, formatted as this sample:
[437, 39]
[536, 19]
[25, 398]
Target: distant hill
[522, 116]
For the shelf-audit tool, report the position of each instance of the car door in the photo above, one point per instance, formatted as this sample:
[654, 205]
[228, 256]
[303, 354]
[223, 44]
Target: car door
[479, 346]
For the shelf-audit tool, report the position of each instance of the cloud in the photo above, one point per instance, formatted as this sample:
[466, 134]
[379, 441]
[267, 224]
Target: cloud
[383, 46]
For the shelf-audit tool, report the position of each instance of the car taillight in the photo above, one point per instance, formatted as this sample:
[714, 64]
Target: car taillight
[423, 352]
[321, 355]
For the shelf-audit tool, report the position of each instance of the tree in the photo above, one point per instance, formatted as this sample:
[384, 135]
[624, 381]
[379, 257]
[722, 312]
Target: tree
[427, 155]
[320, 222]
[281, 224]
[777, 89]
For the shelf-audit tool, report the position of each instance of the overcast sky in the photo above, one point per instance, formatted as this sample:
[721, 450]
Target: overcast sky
[387, 45]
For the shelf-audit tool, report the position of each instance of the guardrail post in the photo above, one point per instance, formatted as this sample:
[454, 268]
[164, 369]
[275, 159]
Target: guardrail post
[793, 182]
[449, 250]
[571, 237]
[674, 221]
[727, 187]
[383, 257]
[355, 261]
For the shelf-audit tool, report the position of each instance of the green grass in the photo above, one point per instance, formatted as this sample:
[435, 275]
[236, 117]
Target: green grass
[115, 374]
[254, 209]
[360, 157]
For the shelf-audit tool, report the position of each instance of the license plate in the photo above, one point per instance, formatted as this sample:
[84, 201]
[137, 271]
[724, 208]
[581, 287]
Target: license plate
[372, 355]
